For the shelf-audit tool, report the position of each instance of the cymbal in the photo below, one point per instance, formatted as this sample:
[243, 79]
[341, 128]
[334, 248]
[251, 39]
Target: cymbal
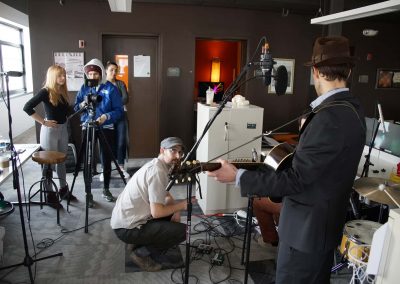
[378, 190]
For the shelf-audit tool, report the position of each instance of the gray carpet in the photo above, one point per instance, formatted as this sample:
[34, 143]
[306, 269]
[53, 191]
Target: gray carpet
[99, 256]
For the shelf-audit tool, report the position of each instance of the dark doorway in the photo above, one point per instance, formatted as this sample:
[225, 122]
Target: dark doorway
[230, 54]
[143, 110]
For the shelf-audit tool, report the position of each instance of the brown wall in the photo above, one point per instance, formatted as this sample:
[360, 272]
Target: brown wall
[385, 51]
[58, 28]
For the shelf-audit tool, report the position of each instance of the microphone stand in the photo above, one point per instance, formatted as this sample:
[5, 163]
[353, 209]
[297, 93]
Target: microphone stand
[367, 162]
[228, 93]
[28, 260]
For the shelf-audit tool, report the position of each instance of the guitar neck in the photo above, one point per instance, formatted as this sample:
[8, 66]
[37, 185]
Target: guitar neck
[240, 165]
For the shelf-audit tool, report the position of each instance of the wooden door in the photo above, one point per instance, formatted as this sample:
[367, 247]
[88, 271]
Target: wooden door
[143, 106]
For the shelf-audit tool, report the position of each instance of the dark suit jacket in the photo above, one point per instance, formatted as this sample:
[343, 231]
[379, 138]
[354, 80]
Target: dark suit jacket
[317, 186]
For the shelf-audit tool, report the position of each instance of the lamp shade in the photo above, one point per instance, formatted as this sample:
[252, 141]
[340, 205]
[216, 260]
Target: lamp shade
[215, 70]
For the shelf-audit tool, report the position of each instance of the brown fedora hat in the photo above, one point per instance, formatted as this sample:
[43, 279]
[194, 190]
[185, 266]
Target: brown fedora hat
[331, 50]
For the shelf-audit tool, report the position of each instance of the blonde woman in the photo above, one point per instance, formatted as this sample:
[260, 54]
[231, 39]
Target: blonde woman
[54, 132]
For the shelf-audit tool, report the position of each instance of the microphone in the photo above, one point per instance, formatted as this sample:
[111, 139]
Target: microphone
[254, 155]
[381, 118]
[266, 63]
[12, 74]
[281, 80]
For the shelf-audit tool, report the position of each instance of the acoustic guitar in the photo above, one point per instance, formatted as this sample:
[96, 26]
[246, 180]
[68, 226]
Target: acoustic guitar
[279, 158]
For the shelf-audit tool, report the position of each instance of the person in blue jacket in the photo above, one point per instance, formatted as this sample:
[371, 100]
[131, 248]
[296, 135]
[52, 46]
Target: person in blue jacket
[108, 110]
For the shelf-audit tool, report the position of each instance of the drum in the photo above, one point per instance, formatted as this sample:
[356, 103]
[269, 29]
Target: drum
[358, 234]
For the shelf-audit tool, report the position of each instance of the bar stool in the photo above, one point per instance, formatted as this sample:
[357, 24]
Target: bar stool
[46, 158]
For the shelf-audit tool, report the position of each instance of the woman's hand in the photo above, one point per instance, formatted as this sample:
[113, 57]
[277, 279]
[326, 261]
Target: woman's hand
[101, 119]
[50, 123]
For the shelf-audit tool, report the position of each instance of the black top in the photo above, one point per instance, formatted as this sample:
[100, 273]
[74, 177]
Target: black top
[58, 113]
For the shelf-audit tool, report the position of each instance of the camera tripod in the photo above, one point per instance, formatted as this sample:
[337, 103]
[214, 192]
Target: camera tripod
[91, 131]
[28, 260]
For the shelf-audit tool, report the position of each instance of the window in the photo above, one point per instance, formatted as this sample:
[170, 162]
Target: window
[12, 58]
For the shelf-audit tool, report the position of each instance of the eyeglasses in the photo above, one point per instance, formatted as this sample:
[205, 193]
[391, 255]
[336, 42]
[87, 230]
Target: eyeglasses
[174, 151]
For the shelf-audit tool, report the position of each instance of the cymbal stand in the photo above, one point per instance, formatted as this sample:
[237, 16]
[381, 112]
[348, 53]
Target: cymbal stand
[28, 260]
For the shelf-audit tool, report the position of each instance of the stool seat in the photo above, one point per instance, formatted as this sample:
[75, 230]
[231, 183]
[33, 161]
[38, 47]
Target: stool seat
[49, 157]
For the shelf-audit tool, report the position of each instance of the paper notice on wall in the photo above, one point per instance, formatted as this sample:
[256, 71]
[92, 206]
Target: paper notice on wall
[73, 63]
[141, 66]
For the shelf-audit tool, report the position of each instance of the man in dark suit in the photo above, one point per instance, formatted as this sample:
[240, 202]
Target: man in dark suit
[317, 186]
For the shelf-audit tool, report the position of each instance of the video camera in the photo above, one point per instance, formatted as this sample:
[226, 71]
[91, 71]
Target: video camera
[92, 98]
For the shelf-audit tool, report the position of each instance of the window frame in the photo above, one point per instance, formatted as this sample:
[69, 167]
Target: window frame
[20, 46]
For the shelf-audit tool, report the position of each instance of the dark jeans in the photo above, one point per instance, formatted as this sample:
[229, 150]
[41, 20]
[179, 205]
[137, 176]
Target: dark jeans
[106, 155]
[296, 267]
[155, 235]
[119, 148]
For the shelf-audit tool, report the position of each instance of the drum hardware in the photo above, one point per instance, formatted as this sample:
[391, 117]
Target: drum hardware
[378, 190]
[357, 240]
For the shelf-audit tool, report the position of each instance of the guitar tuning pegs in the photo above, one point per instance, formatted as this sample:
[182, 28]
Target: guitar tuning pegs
[176, 181]
[183, 180]
[189, 179]
[188, 163]
[195, 162]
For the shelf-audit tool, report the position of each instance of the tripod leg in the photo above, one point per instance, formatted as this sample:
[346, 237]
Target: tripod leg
[87, 171]
[106, 147]
[78, 165]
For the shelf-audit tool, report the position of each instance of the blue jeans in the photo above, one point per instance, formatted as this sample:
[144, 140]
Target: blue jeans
[120, 131]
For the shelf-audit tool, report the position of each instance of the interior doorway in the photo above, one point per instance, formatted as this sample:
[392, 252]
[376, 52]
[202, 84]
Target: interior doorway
[228, 56]
[142, 108]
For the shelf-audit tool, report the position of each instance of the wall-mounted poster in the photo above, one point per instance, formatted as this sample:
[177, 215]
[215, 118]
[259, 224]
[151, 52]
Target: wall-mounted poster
[289, 64]
[73, 63]
[141, 66]
[387, 78]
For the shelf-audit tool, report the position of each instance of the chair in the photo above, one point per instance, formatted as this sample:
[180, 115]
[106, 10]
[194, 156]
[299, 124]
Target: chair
[46, 158]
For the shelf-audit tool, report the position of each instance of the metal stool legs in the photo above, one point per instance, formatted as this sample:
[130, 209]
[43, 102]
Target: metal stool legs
[45, 182]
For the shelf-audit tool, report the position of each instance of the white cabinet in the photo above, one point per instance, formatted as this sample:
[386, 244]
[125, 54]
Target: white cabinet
[389, 272]
[232, 128]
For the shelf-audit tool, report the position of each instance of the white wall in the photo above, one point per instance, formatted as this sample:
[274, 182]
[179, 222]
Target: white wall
[20, 120]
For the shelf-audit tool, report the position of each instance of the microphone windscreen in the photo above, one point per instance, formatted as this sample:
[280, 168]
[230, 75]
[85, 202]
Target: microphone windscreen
[281, 80]
[14, 74]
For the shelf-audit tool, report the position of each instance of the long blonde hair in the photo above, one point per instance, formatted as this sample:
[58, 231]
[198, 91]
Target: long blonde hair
[57, 93]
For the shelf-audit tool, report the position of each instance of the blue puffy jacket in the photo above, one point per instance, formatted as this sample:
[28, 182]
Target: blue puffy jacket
[111, 103]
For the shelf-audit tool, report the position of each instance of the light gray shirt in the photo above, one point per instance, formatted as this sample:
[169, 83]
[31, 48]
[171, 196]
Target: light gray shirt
[132, 208]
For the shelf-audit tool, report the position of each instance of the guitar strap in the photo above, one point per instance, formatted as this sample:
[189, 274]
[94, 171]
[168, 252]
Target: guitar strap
[328, 105]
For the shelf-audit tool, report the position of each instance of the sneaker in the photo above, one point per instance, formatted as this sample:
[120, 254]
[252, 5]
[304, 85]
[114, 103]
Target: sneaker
[65, 193]
[107, 195]
[125, 173]
[90, 201]
[53, 201]
[101, 177]
[145, 263]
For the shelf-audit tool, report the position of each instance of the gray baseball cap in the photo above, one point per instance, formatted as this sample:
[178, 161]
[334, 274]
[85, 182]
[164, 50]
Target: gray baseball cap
[170, 142]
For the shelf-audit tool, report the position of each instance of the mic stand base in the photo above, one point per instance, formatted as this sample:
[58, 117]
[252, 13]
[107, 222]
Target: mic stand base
[28, 260]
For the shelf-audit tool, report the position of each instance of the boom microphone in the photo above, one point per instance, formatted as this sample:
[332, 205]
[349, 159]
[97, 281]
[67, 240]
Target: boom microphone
[281, 80]
[381, 118]
[12, 74]
[266, 63]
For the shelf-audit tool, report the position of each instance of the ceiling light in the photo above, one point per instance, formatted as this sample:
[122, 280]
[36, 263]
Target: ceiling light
[120, 5]
[362, 12]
